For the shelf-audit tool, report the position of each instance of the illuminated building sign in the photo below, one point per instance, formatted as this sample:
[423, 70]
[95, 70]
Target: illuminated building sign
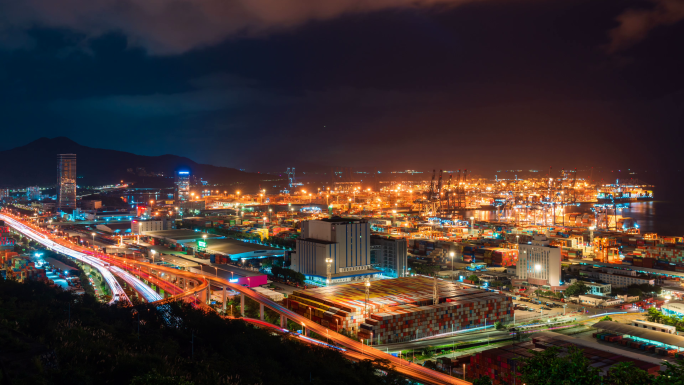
[201, 245]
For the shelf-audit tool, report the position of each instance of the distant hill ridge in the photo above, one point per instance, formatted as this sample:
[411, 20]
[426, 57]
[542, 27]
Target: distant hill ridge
[36, 164]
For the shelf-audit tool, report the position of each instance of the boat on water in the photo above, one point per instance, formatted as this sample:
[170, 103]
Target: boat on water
[626, 192]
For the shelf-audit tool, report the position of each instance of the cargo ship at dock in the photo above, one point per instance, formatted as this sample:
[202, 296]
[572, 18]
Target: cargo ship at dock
[625, 193]
[624, 197]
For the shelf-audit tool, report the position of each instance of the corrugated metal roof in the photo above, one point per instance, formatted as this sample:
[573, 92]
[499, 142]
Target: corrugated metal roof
[669, 339]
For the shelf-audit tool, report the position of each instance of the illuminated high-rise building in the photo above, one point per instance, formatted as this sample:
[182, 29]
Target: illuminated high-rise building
[182, 186]
[33, 193]
[66, 182]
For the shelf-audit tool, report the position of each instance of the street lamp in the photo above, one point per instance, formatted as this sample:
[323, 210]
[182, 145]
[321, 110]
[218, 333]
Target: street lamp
[93, 234]
[367, 284]
[451, 254]
[328, 261]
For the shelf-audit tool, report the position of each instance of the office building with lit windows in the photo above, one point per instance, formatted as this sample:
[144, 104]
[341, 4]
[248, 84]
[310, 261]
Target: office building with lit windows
[539, 263]
[66, 182]
[33, 193]
[389, 255]
[182, 186]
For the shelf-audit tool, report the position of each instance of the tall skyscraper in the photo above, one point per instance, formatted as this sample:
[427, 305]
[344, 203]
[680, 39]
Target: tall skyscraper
[33, 193]
[182, 186]
[66, 182]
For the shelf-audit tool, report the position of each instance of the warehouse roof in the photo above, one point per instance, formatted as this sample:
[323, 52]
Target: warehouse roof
[392, 292]
[232, 246]
[180, 235]
[634, 331]
[342, 220]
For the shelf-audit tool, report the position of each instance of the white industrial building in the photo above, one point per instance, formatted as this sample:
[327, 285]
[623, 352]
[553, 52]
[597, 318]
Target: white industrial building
[140, 227]
[342, 241]
[539, 263]
[598, 300]
[673, 308]
[622, 280]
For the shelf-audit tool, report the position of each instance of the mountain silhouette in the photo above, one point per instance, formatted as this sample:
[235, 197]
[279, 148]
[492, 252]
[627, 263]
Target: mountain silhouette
[36, 164]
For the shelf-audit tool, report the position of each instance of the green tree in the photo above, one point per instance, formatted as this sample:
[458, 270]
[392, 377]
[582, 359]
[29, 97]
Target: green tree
[634, 292]
[474, 278]
[625, 373]
[672, 375]
[59, 338]
[549, 368]
[577, 288]
[391, 376]
[653, 315]
[154, 378]
[483, 380]
[606, 318]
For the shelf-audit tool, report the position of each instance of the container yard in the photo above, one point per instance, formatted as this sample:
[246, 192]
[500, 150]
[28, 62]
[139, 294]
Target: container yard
[401, 309]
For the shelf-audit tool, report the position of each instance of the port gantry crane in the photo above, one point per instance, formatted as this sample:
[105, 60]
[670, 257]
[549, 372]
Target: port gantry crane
[444, 200]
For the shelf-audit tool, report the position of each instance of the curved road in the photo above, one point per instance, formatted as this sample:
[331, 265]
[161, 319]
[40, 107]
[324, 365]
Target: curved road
[353, 349]
[118, 293]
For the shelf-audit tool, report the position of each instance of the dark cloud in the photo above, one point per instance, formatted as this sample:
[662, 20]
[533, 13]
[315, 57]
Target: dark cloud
[390, 84]
[176, 26]
[636, 23]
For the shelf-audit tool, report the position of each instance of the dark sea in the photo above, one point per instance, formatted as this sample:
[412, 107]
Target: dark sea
[661, 217]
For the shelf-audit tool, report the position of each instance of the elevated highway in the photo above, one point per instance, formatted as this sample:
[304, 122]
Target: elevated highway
[118, 293]
[200, 292]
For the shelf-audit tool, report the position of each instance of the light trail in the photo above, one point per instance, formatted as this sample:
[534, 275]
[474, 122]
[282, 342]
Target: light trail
[353, 349]
[144, 290]
[118, 293]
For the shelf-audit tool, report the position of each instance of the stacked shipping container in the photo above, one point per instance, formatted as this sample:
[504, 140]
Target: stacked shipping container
[401, 308]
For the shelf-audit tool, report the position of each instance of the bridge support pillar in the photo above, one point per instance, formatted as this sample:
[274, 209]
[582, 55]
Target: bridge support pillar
[283, 322]
[261, 311]
[207, 298]
[242, 304]
[224, 299]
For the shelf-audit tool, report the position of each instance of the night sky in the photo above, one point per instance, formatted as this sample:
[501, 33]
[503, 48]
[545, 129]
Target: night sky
[400, 84]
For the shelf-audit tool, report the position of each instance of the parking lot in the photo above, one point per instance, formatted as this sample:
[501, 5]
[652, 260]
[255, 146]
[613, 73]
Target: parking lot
[527, 311]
